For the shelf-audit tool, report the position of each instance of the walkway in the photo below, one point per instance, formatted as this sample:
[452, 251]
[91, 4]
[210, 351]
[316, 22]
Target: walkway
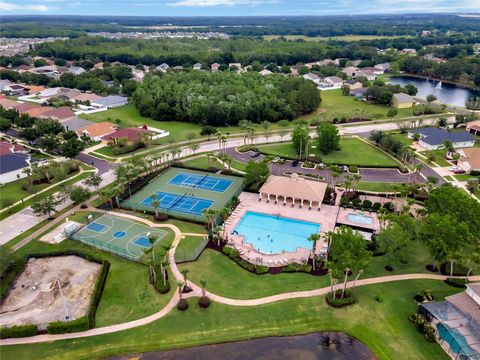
[197, 292]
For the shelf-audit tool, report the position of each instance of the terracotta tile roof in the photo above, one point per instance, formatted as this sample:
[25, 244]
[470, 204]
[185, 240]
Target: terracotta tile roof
[5, 148]
[34, 89]
[85, 97]
[130, 133]
[7, 103]
[36, 112]
[61, 113]
[24, 107]
[295, 187]
[99, 129]
[473, 124]
[472, 156]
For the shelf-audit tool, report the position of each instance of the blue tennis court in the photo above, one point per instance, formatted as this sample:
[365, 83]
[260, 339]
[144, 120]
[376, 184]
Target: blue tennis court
[179, 203]
[96, 227]
[143, 242]
[200, 181]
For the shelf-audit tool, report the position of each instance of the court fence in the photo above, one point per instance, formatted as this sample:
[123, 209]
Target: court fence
[116, 250]
[182, 255]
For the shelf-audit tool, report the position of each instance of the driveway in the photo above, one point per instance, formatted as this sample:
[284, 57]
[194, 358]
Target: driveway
[102, 165]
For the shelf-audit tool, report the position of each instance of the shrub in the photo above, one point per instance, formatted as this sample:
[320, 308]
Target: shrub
[97, 294]
[389, 206]
[379, 298]
[353, 168]
[230, 252]
[208, 130]
[377, 206]
[367, 204]
[356, 202]
[456, 282]
[296, 267]
[160, 217]
[337, 302]
[18, 331]
[182, 305]
[204, 301]
[392, 112]
[344, 201]
[245, 148]
[61, 327]
[260, 269]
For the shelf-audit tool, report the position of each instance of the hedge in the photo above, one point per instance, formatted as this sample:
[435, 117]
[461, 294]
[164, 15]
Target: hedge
[61, 327]
[233, 254]
[456, 282]
[97, 294]
[338, 303]
[295, 267]
[18, 331]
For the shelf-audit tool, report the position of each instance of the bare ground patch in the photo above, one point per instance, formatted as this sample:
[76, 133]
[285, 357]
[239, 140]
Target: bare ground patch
[36, 298]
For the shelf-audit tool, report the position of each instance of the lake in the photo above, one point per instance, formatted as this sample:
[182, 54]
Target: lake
[445, 92]
[316, 346]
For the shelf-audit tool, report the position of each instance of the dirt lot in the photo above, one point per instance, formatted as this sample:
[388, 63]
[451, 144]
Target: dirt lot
[35, 297]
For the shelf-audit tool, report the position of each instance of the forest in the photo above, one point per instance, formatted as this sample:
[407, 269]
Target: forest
[224, 98]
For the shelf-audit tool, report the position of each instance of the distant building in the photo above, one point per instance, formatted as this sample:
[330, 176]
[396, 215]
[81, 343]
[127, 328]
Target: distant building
[60, 114]
[197, 66]
[402, 101]
[334, 81]
[96, 131]
[408, 51]
[353, 84]
[384, 66]
[110, 101]
[265, 72]
[350, 71]
[469, 159]
[312, 77]
[76, 70]
[434, 138]
[130, 134]
[215, 66]
[368, 74]
[163, 67]
[474, 127]
[13, 160]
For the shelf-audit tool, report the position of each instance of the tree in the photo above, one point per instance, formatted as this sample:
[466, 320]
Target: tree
[46, 206]
[395, 241]
[224, 214]
[348, 252]
[155, 204]
[94, 181]
[5, 124]
[203, 284]
[431, 98]
[300, 137]
[345, 90]
[328, 138]
[71, 148]
[314, 238]
[255, 174]
[78, 194]
[411, 89]
[210, 215]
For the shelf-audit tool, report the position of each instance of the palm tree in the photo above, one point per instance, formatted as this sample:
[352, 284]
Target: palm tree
[185, 272]
[203, 284]
[106, 195]
[344, 288]
[314, 238]
[194, 148]
[155, 204]
[418, 169]
[265, 125]
[209, 216]
[180, 285]
[152, 239]
[28, 172]
[360, 272]
[224, 214]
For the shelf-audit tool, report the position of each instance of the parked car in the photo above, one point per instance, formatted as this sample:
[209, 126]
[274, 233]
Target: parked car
[295, 163]
[255, 154]
[345, 168]
[459, 171]
[453, 168]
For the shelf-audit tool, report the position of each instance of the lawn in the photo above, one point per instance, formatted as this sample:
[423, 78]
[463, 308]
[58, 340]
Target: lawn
[326, 38]
[337, 104]
[226, 278]
[438, 156]
[353, 152]
[13, 192]
[187, 247]
[466, 177]
[403, 138]
[201, 163]
[377, 186]
[382, 326]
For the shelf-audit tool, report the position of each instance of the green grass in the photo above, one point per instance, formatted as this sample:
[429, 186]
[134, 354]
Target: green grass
[382, 326]
[201, 162]
[187, 247]
[226, 278]
[16, 189]
[377, 186]
[353, 152]
[326, 38]
[438, 157]
[337, 104]
[466, 177]
[403, 138]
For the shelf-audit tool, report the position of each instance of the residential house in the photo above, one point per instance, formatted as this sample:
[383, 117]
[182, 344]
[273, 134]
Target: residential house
[432, 138]
[456, 321]
[334, 81]
[408, 51]
[265, 72]
[16, 90]
[4, 83]
[60, 114]
[98, 66]
[37, 111]
[24, 107]
[76, 123]
[474, 127]
[384, 66]
[236, 66]
[178, 67]
[86, 97]
[431, 57]
[215, 66]
[469, 159]
[76, 70]
[402, 101]
[197, 66]
[13, 160]
[110, 101]
[163, 67]
[353, 84]
[369, 74]
[375, 70]
[7, 104]
[350, 71]
[359, 93]
[35, 89]
[312, 77]
[131, 135]
[97, 131]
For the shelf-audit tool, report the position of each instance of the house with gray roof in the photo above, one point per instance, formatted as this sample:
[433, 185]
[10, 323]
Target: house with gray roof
[76, 123]
[12, 163]
[110, 101]
[432, 138]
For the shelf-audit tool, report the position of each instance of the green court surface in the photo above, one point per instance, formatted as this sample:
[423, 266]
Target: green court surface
[185, 193]
[122, 237]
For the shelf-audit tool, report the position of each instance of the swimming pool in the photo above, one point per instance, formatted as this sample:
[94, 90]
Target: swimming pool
[360, 219]
[272, 234]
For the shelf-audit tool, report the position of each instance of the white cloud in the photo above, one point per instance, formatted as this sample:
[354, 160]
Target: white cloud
[210, 3]
[6, 6]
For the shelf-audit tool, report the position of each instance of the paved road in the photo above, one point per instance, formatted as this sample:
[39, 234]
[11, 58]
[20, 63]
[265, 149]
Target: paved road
[102, 165]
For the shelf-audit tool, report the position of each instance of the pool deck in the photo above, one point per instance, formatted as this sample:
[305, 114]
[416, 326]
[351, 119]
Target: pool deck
[326, 217]
[343, 219]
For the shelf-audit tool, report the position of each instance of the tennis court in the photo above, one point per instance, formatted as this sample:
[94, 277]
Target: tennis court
[185, 193]
[200, 181]
[180, 203]
[119, 236]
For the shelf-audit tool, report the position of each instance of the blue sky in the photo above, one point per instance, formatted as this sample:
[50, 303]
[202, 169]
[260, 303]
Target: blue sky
[233, 7]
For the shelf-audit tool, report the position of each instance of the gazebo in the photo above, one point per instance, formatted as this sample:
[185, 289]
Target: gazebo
[293, 189]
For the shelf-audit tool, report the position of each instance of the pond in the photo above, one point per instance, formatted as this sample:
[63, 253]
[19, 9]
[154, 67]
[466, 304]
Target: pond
[445, 92]
[318, 346]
